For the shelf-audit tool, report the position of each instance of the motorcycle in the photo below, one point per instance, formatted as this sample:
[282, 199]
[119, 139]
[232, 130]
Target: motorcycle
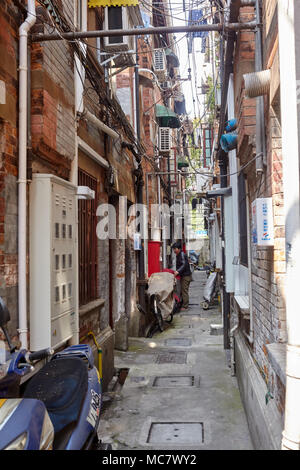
[163, 299]
[58, 408]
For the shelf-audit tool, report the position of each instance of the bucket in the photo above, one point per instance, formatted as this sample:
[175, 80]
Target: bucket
[231, 125]
[228, 142]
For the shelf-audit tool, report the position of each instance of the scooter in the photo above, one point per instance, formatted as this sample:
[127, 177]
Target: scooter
[60, 406]
[194, 261]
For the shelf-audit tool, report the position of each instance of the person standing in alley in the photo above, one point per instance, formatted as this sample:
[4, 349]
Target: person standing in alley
[184, 271]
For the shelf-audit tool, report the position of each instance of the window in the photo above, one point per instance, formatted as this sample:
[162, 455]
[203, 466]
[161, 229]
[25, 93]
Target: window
[115, 21]
[88, 265]
[243, 220]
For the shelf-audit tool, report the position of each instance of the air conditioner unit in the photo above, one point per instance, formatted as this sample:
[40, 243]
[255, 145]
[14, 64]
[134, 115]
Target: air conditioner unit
[53, 250]
[164, 139]
[160, 64]
[166, 85]
[117, 18]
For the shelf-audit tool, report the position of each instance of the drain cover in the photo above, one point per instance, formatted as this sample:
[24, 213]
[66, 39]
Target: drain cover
[174, 381]
[176, 433]
[178, 342]
[173, 357]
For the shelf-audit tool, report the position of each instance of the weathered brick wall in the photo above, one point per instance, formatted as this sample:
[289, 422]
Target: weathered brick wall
[244, 63]
[10, 19]
[53, 118]
[268, 263]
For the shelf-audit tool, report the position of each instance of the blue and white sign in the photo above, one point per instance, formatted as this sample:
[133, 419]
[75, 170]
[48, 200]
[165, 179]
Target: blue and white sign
[262, 222]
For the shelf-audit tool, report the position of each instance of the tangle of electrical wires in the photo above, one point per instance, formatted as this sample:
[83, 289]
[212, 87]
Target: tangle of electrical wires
[94, 75]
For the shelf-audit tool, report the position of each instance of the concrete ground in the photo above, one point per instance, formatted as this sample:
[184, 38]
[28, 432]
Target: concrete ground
[179, 392]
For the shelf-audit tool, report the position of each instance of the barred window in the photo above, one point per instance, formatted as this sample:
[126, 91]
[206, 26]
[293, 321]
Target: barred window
[88, 264]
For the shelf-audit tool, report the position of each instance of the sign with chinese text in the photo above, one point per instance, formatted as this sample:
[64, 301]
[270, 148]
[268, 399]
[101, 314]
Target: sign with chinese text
[262, 222]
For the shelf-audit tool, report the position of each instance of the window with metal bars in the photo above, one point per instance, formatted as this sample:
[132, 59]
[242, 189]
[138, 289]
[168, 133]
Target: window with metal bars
[87, 242]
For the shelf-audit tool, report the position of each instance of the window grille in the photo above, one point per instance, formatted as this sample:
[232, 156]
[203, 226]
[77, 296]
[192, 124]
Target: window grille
[87, 242]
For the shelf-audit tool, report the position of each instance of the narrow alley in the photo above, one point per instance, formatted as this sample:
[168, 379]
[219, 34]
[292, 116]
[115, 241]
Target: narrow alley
[179, 392]
[145, 140]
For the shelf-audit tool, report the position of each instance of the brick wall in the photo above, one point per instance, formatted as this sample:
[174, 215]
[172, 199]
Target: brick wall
[10, 19]
[52, 105]
[268, 263]
[244, 63]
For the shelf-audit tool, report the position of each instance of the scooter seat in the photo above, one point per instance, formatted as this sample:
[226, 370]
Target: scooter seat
[62, 385]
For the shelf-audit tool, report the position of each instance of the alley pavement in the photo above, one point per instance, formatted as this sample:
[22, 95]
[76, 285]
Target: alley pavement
[179, 392]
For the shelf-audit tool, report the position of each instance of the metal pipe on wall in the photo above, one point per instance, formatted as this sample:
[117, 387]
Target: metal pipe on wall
[22, 181]
[143, 31]
[289, 39]
[260, 121]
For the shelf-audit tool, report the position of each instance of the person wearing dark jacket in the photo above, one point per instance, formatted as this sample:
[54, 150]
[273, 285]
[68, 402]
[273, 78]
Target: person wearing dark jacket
[184, 271]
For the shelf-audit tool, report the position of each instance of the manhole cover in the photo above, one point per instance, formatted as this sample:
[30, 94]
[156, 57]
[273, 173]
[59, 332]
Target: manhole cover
[178, 342]
[137, 379]
[173, 357]
[174, 381]
[176, 433]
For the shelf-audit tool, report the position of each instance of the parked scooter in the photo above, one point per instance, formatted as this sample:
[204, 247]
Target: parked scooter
[60, 407]
[163, 300]
[194, 261]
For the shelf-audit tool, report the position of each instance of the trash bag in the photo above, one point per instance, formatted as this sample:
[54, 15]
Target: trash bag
[210, 287]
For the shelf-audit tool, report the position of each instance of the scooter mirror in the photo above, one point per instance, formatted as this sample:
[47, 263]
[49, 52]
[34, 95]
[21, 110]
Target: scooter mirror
[4, 313]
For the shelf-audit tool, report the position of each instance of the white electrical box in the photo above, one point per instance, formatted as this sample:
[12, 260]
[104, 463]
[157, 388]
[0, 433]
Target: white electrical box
[262, 222]
[52, 261]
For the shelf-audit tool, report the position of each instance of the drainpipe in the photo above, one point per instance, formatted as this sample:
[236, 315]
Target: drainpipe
[288, 21]
[260, 121]
[251, 336]
[140, 182]
[103, 127]
[22, 181]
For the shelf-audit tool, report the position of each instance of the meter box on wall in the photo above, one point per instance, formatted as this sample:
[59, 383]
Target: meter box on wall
[52, 257]
[262, 222]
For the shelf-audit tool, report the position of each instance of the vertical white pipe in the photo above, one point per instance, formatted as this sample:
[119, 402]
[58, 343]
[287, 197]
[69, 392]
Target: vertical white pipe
[79, 76]
[288, 14]
[22, 181]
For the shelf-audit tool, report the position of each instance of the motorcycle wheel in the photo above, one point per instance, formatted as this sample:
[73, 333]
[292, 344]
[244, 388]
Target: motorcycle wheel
[104, 446]
[159, 317]
[99, 445]
[171, 318]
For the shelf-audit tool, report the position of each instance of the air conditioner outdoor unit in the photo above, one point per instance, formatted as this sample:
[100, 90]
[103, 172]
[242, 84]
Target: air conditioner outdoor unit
[160, 64]
[117, 18]
[166, 85]
[164, 139]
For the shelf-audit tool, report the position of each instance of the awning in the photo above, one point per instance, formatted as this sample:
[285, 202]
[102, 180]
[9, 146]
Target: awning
[167, 117]
[172, 58]
[112, 3]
